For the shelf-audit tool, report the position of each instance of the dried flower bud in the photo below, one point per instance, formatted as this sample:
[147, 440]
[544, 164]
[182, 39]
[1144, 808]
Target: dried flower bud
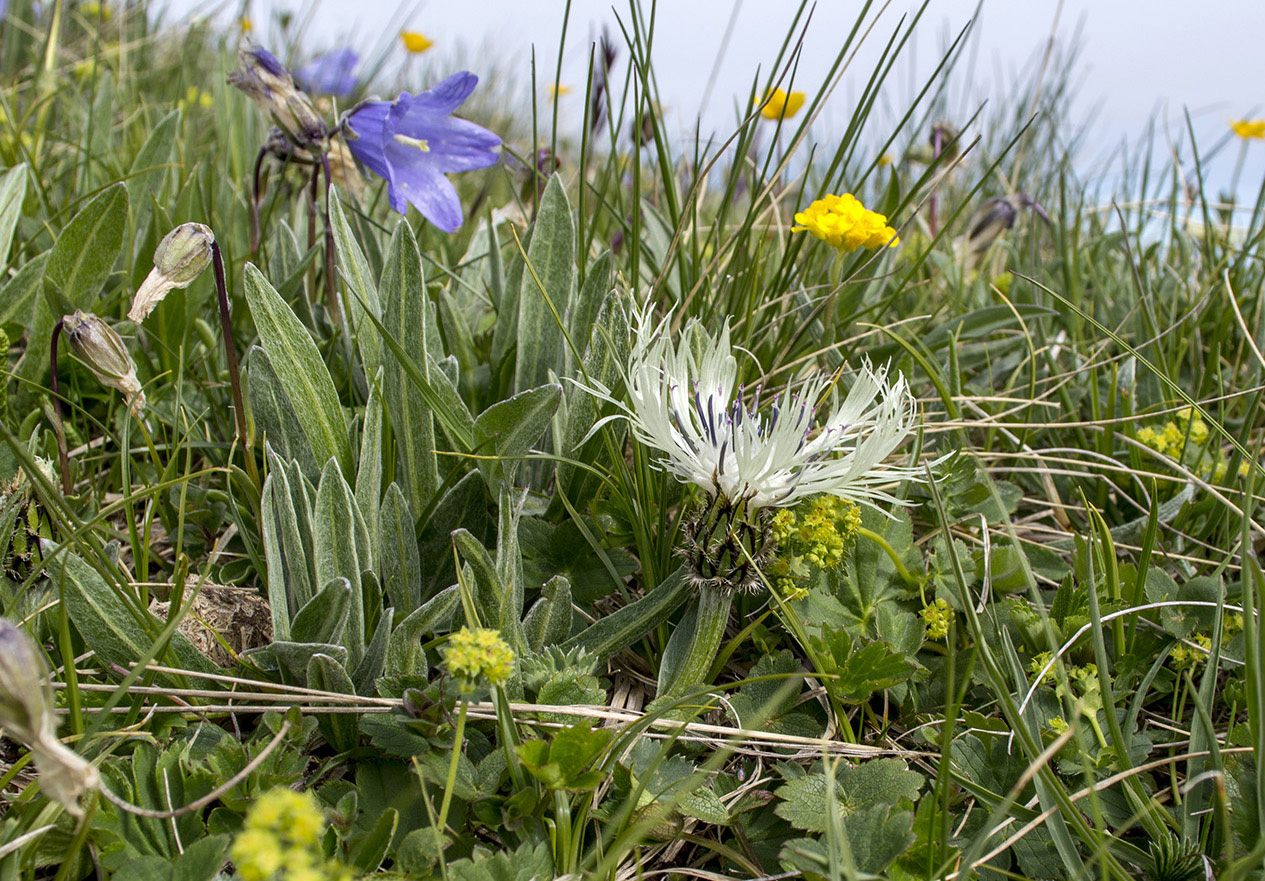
[26, 712]
[102, 350]
[24, 696]
[944, 140]
[266, 80]
[992, 218]
[182, 255]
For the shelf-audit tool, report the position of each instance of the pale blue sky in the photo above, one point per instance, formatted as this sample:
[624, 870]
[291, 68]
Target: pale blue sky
[1139, 59]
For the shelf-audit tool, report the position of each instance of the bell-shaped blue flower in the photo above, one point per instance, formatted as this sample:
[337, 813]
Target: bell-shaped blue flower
[413, 141]
[331, 74]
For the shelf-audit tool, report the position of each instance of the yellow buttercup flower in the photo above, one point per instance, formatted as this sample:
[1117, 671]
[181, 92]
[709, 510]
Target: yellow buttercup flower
[845, 224]
[1249, 128]
[416, 42]
[245, 25]
[557, 90]
[779, 105]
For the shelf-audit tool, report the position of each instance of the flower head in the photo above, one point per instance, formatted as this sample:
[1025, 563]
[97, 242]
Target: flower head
[283, 831]
[101, 349]
[412, 142]
[331, 74]
[415, 42]
[182, 255]
[780, 105]
[685, 402]
[845, 224]
[478, 657]
[1246, 129]
[265, 79]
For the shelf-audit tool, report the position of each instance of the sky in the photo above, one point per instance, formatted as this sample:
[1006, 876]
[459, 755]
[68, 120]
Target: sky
[1138, 60]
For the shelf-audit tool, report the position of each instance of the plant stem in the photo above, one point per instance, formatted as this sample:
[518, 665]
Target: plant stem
[63, 458]
[905, 575]
[458, 737]
[234, 372]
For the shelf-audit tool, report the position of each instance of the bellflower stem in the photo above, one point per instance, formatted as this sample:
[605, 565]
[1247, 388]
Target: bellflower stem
[329, 242]
[63, 458]
[234, 372]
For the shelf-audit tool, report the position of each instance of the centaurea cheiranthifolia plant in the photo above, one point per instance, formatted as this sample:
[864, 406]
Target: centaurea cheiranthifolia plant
[684, 401]
[413, 141]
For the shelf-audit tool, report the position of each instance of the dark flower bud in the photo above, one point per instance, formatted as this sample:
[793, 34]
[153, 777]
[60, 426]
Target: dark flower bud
[266, 80]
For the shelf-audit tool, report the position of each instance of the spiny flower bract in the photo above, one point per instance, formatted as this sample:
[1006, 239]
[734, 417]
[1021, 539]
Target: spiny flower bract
[845, 224]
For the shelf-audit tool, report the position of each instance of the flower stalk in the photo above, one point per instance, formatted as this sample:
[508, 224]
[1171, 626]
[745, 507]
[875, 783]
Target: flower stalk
[234, 371]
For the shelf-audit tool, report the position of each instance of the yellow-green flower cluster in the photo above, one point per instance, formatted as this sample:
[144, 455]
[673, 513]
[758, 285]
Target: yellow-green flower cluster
[937, 617]
[281, 839]
[845, 224]
[1184, 438]
[1171, 438]
[1185, 655]
[814, 534]
[477, 657]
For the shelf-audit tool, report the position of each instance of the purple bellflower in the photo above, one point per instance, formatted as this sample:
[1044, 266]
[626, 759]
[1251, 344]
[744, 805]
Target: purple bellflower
[331, 74]
[412, 142]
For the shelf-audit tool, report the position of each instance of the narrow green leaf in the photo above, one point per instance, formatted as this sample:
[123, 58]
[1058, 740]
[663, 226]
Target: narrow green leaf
[355, 271]
[405, 317]
[301, 371]
[324, 618]
[12, 192]
[151, 162]
[404, 646]
[341, 730]
[400, 564]
[508, 430]
[551, 258]
[335, 536]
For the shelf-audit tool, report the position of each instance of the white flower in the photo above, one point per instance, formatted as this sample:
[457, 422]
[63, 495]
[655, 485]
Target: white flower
[684, 403]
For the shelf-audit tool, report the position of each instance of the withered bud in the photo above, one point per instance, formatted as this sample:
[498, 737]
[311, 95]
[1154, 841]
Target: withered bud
[270, 85]
[182, 255]
[944, 140]
[102, 351]
[26, 713]
[992, 218]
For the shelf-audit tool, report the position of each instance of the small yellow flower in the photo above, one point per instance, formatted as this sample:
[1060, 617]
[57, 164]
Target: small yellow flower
[479, 657]
[557, 90]
[885, 160]
[938, 616]
[779, 105]
[245, 25]
[93, 9]
[282, 834]
[845, 224]
[416, 42]
[1253, 129]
